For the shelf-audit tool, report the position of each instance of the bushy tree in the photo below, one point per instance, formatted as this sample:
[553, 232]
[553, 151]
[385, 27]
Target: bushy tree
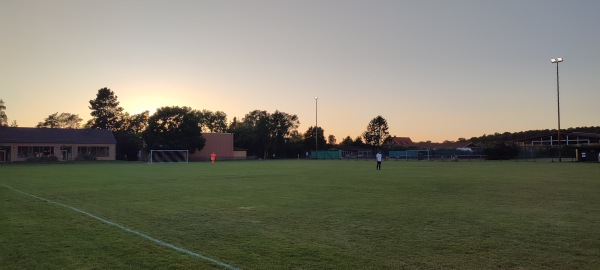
[63, 120]
[264, 134]
[128, 144]
[129, 136]
[377, 132]
[244, 136]
[257, 124]
[358, 142]
[174, 128]
[331, 140]
[309, 138]
[212, 121]
[294, 145]
[281, 125]
[347, 141]
[136, 123]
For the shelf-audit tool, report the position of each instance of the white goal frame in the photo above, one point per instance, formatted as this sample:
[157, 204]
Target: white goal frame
[168, 156]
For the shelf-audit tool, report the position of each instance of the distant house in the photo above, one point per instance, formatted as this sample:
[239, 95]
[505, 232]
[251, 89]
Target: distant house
[19, 144]
[401, 142]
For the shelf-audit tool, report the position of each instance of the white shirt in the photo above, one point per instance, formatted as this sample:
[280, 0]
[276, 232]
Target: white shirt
[378, 156]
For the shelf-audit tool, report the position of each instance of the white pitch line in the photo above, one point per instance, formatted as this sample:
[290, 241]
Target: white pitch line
[148, 237]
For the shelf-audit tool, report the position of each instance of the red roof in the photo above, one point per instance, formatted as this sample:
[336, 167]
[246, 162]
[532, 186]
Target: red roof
[401, 141]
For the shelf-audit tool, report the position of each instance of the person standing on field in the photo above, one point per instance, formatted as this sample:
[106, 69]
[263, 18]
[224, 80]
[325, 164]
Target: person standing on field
[378, 157]
[213, 157]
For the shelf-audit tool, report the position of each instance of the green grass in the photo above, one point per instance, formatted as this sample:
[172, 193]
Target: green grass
[302, 215]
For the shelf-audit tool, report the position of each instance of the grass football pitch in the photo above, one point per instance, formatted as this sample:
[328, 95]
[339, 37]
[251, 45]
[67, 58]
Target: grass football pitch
[300, 215]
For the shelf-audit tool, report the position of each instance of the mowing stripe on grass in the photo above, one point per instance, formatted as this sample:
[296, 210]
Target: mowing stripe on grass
[157, 241]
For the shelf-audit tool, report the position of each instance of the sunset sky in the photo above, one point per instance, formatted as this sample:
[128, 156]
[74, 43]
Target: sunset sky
[435, 70]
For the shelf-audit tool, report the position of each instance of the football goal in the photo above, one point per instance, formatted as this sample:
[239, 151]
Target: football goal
[168, 156]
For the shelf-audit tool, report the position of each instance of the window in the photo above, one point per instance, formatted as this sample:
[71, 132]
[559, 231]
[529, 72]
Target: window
[94, 151]
[35, 151]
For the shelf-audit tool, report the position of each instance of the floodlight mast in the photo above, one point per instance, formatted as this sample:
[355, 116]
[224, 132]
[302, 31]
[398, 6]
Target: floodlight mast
[558, 60]
[316, 129]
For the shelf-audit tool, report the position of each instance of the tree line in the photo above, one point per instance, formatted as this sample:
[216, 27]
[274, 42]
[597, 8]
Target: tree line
[261, 133]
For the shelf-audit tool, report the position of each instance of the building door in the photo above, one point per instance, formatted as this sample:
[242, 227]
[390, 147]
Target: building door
[2, 156]
[65, 153]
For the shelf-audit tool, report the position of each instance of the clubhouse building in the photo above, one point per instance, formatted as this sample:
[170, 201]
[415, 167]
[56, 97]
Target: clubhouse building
[20, 144]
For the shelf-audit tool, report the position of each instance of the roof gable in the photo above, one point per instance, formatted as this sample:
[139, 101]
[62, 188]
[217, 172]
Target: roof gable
[56, 135]
[401, 141]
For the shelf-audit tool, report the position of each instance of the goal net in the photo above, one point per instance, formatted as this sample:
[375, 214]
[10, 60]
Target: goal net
[170, 156]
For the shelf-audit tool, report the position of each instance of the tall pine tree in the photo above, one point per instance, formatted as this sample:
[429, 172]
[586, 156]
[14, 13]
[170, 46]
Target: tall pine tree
[3, 117]
[106, 112]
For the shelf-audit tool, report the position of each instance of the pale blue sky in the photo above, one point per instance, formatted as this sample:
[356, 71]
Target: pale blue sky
[436, 70]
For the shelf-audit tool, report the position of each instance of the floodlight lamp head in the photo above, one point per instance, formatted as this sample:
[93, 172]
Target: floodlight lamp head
[556, 60]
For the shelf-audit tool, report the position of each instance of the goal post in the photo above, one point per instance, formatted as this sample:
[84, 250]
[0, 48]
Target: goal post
[168, 156]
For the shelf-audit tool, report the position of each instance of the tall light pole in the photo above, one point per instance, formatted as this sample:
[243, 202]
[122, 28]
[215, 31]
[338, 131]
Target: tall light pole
[316, 128]
[558, 60]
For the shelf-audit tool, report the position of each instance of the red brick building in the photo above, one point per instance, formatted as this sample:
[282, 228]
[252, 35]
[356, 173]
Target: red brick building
[219, 143]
